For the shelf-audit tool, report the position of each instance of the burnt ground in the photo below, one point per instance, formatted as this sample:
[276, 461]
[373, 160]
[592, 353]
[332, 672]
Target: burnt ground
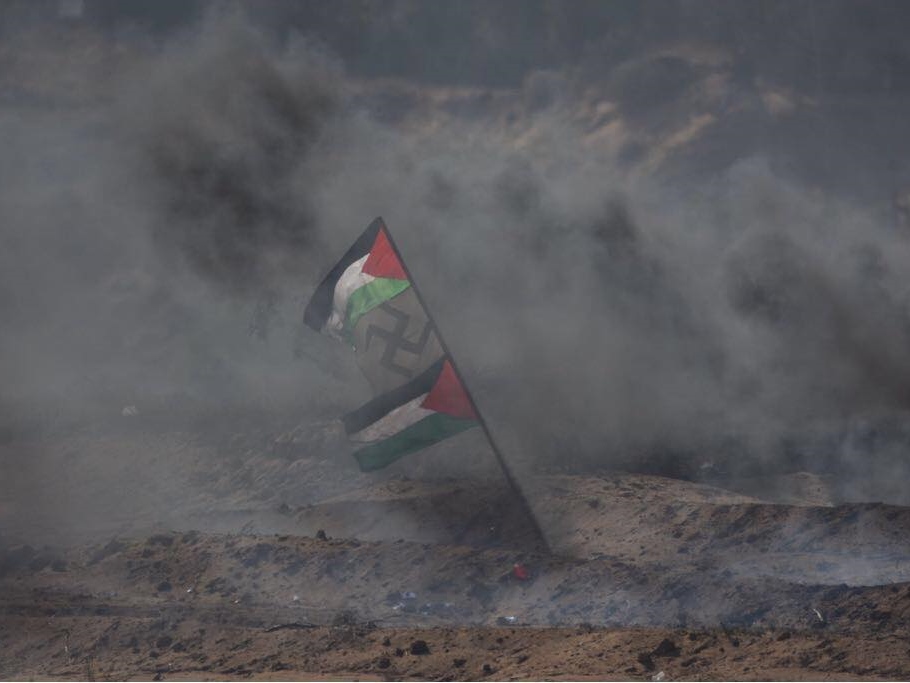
[151, 553]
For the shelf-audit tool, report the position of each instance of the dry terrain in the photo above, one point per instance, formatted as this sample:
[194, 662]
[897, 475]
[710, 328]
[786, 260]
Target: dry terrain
[149, 552]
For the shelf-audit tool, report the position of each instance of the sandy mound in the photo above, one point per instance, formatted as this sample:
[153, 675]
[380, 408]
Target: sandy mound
[141, 552]
[196, 606]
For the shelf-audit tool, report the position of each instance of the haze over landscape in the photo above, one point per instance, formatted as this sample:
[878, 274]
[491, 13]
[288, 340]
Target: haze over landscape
[667, 241]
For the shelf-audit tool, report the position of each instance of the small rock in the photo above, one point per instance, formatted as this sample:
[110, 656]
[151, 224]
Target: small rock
[666, 648]
[659, 676]
[420, 647]
[459, 662]
[487, 669]
[384, 663]
[320, 535]
[645, 660]
[164, 587]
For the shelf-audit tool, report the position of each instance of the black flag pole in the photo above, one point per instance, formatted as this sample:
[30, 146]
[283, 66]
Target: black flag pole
[510, 478]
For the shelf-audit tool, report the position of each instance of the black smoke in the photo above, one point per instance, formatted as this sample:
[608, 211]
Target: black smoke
[659, 235]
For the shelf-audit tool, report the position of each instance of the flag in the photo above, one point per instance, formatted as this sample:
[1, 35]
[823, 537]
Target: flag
[368, 301]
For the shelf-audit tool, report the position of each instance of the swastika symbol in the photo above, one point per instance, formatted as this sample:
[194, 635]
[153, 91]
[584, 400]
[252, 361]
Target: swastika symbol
[395, 340]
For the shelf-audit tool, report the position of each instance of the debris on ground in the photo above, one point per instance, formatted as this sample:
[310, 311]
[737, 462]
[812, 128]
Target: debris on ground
[419, 647]
[666, 648]
[405, 601]
[437, 608]
[520, 572]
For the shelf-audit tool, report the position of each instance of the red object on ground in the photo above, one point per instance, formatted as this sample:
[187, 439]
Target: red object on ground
[520, 572]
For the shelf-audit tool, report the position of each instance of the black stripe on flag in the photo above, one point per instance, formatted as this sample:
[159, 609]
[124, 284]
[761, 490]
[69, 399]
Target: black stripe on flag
[320, 307]
[382, 405]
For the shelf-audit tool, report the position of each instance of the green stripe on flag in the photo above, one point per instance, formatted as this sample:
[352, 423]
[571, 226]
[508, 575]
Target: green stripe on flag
[371, 295]
[419, 435]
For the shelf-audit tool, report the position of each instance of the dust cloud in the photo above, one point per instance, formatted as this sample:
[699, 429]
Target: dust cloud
[659, 236]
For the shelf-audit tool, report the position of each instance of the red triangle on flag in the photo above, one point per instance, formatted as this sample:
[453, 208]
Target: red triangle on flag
[448, 395]
[382, 261]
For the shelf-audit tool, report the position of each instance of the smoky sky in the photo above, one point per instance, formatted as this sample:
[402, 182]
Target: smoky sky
[843, 45]
[653, 232]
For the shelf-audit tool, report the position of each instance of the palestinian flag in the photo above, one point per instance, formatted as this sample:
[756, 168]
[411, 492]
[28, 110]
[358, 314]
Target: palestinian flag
[367, 300]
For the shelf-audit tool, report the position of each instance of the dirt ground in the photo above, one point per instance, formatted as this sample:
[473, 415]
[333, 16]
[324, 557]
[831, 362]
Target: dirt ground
[150, 553]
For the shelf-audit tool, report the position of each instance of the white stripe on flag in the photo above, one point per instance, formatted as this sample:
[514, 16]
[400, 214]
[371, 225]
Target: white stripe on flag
[352, 279]
[394, 421]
